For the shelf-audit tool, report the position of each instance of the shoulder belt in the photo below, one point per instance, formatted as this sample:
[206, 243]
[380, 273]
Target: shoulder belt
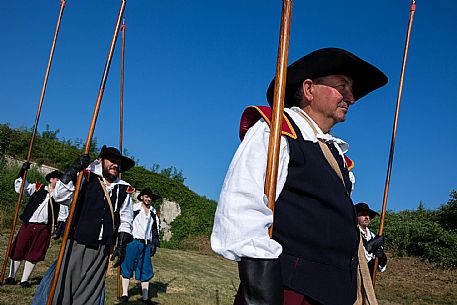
[130, 189]
[349, 162]
[253, 113]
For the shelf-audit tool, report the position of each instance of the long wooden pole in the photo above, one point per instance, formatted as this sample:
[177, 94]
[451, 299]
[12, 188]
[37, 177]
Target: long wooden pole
[86, 151]
[121, 123]
[412, 9]
[35, 126]
[278, 107]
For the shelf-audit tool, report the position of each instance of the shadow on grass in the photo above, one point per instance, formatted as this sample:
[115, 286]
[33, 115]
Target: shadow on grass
[154, 289]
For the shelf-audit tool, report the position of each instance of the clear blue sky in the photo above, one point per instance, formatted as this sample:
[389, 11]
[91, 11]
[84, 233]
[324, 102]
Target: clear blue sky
[192, 67]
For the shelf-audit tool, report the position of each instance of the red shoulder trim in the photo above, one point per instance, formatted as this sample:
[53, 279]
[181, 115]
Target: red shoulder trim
[253, 113]
[38, 186]
[130, 189]
[349, 162]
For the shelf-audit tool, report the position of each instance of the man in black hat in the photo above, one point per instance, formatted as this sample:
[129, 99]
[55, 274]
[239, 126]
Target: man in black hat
[103, 215]
[313, 255]
[373, 245]
[144, 245]
[38, 222]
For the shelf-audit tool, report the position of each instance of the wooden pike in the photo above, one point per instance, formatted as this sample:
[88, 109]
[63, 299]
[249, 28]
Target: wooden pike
[412, 9]
[86, 151]
[278, 107]
[35, 126]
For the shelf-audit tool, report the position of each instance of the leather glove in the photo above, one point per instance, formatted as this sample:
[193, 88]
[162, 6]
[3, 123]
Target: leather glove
[78, 165]
[374, 243]
[153, 249]
[261, 281]
[382, 258]
[59, 230]
[25, 166]
[119, 251]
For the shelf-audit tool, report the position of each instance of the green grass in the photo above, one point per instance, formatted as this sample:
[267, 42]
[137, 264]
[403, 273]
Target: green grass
[190, 278]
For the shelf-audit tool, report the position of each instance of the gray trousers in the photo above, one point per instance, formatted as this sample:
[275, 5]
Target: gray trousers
[84, 275]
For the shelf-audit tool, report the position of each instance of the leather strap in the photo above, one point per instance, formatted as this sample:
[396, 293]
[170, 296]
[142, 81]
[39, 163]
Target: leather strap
[50, 202]
[108, 198]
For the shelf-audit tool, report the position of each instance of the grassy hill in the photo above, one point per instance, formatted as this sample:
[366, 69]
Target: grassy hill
[190, 278]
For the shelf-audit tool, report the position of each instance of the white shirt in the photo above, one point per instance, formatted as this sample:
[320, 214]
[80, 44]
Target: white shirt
[368, 235]
[142, 223]
[242, 217]
[41, 213]
[63, 193]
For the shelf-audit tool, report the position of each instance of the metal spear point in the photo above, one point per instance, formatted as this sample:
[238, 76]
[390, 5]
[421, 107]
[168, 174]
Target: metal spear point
[412, 9]
[35, 126]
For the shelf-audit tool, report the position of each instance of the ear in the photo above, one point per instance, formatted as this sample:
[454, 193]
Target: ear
[308, 88]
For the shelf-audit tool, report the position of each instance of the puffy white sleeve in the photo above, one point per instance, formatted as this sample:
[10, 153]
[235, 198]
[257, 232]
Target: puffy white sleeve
[126, 215]
[29, 189]
[63, 193]
[242, 218]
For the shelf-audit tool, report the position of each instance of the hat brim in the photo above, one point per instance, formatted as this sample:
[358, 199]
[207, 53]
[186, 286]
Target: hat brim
[370, 212]
[113, 154]
[149, 193]
[330, 61]
[54, 174]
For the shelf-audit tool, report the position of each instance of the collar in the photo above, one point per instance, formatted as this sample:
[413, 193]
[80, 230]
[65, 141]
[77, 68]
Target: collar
[308, 133]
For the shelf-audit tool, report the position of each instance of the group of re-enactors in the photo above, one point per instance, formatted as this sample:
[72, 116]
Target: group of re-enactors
[320, 241]
[105, 217]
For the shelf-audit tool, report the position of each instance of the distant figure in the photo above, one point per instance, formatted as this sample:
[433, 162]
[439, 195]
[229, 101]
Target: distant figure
[103, 215]
[38, 222]
[144, 245]
[374, 245]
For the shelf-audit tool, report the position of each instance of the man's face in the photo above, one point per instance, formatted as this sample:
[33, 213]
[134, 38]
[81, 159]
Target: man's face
[53, 182]
[332, 97]
[146, 199]
[363, 219]
[111, 169]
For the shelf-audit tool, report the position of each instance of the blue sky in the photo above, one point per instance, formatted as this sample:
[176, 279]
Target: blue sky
[191, 68]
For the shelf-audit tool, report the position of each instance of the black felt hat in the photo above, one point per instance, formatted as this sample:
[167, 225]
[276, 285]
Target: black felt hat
[148, 192]
[330, 61]
[54, 174]
[362, 206]
[113, 154]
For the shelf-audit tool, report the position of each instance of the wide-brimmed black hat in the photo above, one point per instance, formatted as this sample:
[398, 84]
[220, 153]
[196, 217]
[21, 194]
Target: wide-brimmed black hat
[113, 154]
[362, 206]
[330, 61]
[54, 174]
[148, 192]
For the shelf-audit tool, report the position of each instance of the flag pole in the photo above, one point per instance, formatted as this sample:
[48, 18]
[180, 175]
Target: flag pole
[86, 151]
[412, 9]
[35, 126]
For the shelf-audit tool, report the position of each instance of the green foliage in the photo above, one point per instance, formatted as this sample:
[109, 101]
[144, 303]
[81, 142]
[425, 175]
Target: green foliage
[428, 234]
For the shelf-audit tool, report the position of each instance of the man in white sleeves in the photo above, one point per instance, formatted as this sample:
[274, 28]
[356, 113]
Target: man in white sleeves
[313, 255]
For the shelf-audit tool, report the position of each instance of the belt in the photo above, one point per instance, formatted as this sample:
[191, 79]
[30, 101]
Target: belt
[143, 241]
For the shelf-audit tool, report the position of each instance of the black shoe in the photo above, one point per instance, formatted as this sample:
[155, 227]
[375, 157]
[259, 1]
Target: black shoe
[10, 281]
[26, 284]
[148, 302]
[124, 299]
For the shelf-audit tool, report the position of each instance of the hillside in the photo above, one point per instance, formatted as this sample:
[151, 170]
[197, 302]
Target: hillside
[189, 278]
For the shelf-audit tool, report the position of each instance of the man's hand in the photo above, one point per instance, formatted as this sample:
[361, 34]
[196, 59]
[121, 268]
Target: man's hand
[25, 166]
[153, 249]
[78, 165]
[374, 243]
[119, 251]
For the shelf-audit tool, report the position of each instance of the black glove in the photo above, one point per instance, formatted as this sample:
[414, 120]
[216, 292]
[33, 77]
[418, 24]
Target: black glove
[382, 258]
[261, 281]
[119, 251]
[25, 166]
[153, 249]
[374, 243]
[78, 165]
[59, 230]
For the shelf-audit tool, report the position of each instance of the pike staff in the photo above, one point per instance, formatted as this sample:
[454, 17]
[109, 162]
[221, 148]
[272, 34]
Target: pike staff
[86, 151]
[271, 175]
[412, 9]
[35, 126]
[123, 28]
